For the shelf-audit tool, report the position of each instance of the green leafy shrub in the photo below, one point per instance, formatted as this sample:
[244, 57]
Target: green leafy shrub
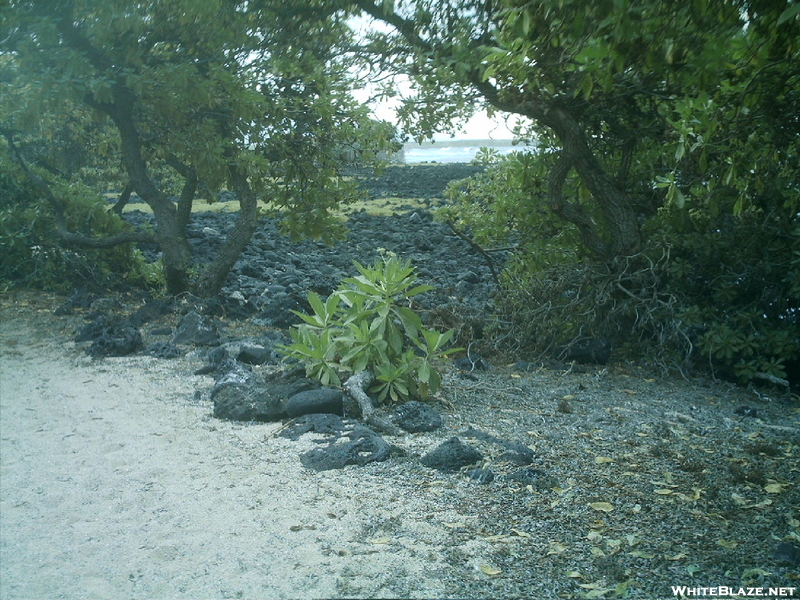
[738, 278]
[711, 290]
[367, 324]
[505, 207]
[30, 251]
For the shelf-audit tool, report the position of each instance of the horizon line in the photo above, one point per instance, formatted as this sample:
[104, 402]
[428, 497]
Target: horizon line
[484, 142]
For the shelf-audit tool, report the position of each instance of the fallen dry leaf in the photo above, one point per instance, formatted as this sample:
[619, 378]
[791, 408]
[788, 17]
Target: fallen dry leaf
[380, 540]
[679, 556]
[556, 548]
[521, 533]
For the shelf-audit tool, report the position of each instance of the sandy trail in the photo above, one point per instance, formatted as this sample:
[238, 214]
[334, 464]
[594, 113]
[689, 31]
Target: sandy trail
[116, 483]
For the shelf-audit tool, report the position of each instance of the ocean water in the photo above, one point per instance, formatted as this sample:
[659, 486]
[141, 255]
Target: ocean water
[449, 154]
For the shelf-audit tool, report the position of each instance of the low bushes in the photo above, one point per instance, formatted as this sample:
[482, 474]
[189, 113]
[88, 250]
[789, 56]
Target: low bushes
[368, 324]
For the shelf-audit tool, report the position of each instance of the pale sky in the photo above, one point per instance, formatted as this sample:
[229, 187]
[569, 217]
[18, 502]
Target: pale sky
[480, 127]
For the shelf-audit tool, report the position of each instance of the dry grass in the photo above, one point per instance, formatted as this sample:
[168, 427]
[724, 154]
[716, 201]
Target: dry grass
[377, 207]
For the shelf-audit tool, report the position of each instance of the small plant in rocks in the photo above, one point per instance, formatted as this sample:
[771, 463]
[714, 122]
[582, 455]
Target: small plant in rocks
[367, 324]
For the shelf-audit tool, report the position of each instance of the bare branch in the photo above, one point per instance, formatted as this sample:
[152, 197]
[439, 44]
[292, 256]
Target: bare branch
[478, 248]
[356, 387]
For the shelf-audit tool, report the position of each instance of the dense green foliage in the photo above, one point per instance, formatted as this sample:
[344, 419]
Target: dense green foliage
[654, 200]
[737, 281]
[367, 324]
[657, 204]
[719, 292]
[181, 97]
[30, 250]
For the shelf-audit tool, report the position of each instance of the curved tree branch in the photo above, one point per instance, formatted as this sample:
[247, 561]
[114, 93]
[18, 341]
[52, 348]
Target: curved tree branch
[478, 248]
[214, 275]
[615, 204]
[123, 199]
[617, 208]
[59, 218]
[169, 235]
[356, 387]
[188, 191]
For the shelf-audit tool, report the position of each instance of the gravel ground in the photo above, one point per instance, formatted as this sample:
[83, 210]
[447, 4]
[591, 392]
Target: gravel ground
[118, 483]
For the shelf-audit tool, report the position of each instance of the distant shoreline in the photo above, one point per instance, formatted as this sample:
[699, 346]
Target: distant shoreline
[488, 143]
[454, 151]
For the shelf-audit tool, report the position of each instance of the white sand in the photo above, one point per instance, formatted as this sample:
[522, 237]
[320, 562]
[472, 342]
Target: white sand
[117, 483]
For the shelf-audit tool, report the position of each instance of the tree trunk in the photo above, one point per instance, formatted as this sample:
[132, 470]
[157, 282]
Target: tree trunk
[170, 235]
[615, 204]
[188, 191]
[215, 274]
[573, 212]
[123, 199]
[623, 226]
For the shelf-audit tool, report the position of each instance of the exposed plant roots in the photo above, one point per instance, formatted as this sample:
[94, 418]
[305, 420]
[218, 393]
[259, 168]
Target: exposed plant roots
[551, 311]
[356, 387]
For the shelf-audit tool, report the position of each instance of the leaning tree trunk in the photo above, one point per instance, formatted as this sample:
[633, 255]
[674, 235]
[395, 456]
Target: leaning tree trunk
[617, 207]
[215, 274]
[574, 212]
[170, 234]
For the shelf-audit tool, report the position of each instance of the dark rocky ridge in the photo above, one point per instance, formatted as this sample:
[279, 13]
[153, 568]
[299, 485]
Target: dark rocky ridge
[274, 275]
[417, 181]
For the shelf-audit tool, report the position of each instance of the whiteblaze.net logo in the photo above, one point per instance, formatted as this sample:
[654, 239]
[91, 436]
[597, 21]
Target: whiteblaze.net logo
[723, 591]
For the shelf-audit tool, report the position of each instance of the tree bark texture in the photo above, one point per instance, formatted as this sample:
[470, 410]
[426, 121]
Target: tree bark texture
[215, 274]
[169, 234]
[123, 199]
[617, 208]
[188, 191]
[573, 212]
[615, 204]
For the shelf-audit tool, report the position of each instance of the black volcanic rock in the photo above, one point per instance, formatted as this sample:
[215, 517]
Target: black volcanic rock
[241, 395]
[591, 351]
[324, 400]
[274, 275]
[195, 329]
[117, 340]
[416, 416]
[451, 455]
[363, 446]
[348, 442]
